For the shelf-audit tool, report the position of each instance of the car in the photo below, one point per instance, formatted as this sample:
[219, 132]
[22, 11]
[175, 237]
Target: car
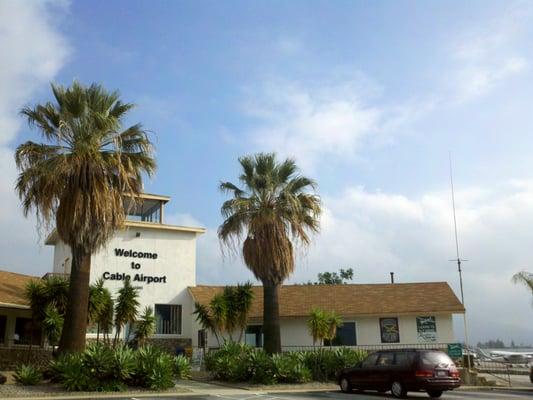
[401, 371]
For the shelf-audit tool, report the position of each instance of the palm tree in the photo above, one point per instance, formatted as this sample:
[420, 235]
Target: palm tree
[269, 214]
[77, 178]
[524, 278]
[126, 308]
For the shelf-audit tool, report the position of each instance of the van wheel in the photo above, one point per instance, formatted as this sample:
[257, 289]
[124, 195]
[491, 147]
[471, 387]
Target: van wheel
[398, 390]
[345, 385]
[434, 394]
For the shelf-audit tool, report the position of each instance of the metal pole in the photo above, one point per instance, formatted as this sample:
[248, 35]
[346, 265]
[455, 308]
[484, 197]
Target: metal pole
[459, 265]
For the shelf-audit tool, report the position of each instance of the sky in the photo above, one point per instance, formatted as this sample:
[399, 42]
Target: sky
[369, 97]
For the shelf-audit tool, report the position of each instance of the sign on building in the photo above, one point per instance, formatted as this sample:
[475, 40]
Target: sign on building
[390, 332]
[426, 328]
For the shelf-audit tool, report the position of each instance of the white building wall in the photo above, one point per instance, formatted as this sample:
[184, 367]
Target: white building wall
[176, 261]
[294, 331]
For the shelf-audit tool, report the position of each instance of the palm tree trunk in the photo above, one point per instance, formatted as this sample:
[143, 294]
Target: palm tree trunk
[271, 324]
[74, 330]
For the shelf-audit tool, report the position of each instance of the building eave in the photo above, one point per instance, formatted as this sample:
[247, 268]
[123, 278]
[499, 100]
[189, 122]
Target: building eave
[53, 237]
[12, 305]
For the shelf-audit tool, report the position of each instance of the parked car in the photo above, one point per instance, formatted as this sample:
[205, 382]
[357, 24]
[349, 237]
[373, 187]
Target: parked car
[401, 371]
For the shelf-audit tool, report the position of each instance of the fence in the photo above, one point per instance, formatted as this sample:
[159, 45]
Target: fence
[373, 347]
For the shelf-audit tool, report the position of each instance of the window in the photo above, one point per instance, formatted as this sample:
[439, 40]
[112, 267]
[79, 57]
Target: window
[254, 335]
[370, 360]
[145, 210]
[3, 323]
[404, 359]
[345, 336]
[386, 359]
[26, 332]
[168, 319]
[390, 333]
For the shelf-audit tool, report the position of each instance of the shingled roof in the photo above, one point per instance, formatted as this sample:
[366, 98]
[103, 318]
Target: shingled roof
[351, 300]
[12, 287]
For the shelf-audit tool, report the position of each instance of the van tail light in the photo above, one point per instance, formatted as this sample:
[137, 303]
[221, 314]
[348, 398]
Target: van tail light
[424, 374]
[454, 373]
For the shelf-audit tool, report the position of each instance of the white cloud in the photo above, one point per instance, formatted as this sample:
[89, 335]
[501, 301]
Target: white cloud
[376, 233]
[34, 51]
[487, 55]
[330, 119]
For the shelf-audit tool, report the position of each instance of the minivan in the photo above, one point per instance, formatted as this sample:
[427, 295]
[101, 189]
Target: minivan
[400, 371]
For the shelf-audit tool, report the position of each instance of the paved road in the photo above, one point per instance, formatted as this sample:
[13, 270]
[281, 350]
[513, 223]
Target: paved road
[456, 395]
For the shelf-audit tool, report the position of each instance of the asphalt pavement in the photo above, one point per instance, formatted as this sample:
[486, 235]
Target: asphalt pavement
[455, 395]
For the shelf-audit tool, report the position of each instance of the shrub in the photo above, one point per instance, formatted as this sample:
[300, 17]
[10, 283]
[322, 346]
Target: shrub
[124, 363]
[231, 362]
[28, 375]
[182, 367]
[261, 368]
[290, 368]
[72, 374]
[154, 368]
[100, 368]
[236, 362]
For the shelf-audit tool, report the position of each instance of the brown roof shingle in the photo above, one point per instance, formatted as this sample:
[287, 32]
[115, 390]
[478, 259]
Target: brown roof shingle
[12, 287]
[352, 299]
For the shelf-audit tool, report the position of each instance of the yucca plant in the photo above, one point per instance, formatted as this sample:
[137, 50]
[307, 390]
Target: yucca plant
[28, 375]
[182, 367]
[126, 307]
[145, 326]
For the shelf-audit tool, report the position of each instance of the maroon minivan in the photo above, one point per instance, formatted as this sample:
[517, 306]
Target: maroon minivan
[401, 371]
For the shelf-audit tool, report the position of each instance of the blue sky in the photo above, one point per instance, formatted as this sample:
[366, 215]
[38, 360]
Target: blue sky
[368, 96]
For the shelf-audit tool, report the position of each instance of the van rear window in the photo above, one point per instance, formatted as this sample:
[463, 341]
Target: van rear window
[435, 359]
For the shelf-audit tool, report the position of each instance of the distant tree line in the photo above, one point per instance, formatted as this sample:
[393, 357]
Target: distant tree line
[342, 277]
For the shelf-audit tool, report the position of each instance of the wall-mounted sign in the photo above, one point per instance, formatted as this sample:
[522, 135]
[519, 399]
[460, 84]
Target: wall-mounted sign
[390, 332]
[426, 328]
[135, 254]
[140, 278]
[121, 276]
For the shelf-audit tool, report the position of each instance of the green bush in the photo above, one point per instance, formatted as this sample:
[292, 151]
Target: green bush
[100, 368]
[236, 362]
[290, 368]
[124, 362]
[28, 375]
[231, 362]
[154, 368]
[182, 367]
[261, 368]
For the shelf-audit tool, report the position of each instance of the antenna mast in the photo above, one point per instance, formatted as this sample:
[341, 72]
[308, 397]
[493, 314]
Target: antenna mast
[459, 260]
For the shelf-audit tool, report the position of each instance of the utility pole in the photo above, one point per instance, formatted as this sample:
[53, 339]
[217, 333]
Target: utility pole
[459, 260]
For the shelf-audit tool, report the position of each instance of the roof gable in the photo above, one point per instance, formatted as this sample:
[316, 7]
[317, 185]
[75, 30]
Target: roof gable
[13, 287]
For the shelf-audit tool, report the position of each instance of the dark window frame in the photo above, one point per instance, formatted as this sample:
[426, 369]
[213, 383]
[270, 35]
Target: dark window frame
[174, 323]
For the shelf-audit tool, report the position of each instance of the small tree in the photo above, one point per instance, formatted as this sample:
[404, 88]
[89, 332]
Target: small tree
[318, 325]
[145, 326]
[334, 321]
[335, 278]
[126, 308]
[227, 311]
